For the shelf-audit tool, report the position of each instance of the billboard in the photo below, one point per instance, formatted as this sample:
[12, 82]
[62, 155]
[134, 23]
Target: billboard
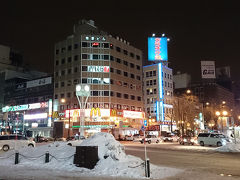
[157, 49]
[208, 69]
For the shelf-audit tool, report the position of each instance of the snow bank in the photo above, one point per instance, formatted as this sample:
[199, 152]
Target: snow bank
[112, 161]
[229, 147]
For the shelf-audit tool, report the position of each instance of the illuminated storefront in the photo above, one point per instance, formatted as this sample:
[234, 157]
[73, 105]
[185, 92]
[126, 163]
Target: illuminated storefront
[29, 119]
[99, 120]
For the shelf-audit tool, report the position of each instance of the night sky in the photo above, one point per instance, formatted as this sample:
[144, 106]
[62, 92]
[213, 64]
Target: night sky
[200, 30]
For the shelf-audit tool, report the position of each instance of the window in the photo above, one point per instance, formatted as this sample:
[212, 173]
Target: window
[118, 49]
[154, 82]
[138, 67]
[138, 57]
[111, 81]
[147, 74]
[75, 81]
[62, 84]
[139, 98]
[63, 61]
[94, 93]
[69, 95]
[69, 82]
[84, 68]
[56, 96]
[69, 59]
[111, 58]
[75, 57]
[62, 72]
[56, 85]
[84, 80]
[154, 73]
[57, 51]
[106, 57]
[125, 96]
[125, 63]
[132, 65]
[132, 97]
[111, 70]
[95, 56]
[132, 76]
[57, 62]
[112, 93]
[119, 71]
[125, 74]
[63, 50]
[150, 73]
[84, 56]
[119, 95]
[69, 47]
[131, 55]
[105, 45]
[75, 46]
[125, 52]
[105, 93]
[118, 60]
[75, 69]
[85, 44]
[138, 78]
[69, 71]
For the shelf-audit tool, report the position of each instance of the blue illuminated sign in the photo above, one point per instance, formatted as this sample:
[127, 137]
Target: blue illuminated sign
[160, 104]
[157, 49]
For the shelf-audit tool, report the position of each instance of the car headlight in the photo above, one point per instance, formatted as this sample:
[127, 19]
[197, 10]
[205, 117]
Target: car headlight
[185, 140]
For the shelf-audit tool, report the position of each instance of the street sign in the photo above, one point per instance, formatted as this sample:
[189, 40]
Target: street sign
[143, 128]
[145, 123]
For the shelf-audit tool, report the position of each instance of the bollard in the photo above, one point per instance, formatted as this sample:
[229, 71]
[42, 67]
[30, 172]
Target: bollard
[16, 157]
[47, 157]
[147, 168]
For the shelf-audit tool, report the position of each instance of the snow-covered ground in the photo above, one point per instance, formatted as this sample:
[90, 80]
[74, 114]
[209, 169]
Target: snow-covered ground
[117, 163]
[230, 147]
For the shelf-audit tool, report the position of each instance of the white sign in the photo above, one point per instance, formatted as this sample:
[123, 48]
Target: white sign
[133, 114]
[39, 82]
[98, 69]
[208, 69]
[35, 116]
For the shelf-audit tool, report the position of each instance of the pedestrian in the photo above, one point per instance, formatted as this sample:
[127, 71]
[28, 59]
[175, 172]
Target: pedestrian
[76, 136]
[37, 138]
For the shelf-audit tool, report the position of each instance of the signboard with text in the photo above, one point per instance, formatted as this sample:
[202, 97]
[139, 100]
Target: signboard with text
[157, 49]
[208, 69]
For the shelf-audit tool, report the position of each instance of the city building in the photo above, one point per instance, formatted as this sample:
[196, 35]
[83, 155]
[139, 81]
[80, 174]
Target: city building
[112, 68]
[27, 104]
[158, 80]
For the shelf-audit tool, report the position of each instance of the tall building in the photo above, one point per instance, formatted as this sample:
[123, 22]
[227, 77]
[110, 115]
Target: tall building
[158, 81]
[112, 68]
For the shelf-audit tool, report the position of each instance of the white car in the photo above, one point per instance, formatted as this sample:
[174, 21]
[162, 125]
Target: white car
[213, 139]
[151, 139]
[15, 141]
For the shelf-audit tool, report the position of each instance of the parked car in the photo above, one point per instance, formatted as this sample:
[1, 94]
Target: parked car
[128, 138]
[137, 137]
[213, 139]
[41, 139]
[10, 141]
[151, 139]
[167, 138]
[186, 140]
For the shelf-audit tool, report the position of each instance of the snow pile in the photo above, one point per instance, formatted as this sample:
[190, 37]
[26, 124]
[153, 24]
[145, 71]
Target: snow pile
[229, 147]
[107, 146]
[112, 161]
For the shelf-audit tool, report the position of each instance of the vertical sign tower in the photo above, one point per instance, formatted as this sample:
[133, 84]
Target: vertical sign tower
[157, 53]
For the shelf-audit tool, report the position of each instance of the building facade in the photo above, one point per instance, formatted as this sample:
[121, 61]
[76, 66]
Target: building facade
[158, 82]
[112, 68]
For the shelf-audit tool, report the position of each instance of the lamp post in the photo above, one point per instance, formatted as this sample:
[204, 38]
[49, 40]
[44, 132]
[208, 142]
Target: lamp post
[69, 118]
[82, 93]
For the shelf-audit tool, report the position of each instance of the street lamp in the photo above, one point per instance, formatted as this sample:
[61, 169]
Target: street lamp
[82, 93]
[188, 91]
[211, 125]
[69, 120]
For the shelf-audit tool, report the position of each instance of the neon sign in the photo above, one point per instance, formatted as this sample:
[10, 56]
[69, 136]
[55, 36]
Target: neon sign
[98, 68]
[157, 49]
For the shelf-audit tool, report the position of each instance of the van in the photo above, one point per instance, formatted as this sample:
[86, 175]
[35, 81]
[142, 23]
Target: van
[213, 139]
[14, 141]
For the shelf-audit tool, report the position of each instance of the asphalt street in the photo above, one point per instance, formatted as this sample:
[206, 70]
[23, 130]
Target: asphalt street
[198, 162]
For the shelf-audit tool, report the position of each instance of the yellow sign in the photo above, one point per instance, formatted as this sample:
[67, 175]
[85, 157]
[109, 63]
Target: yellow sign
[55, 114]
[95, 112]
